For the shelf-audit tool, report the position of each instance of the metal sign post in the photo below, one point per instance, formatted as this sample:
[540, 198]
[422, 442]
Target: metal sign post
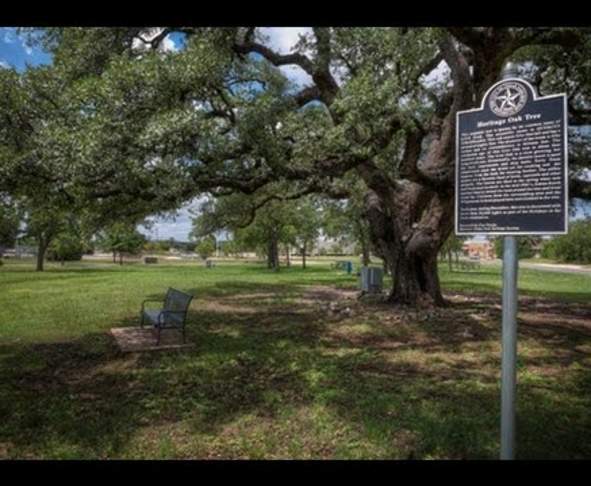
[509, 336]
[509, 353]
[511, 179]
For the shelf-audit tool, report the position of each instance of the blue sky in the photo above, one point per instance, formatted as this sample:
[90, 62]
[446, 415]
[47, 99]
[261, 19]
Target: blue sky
[15, 53]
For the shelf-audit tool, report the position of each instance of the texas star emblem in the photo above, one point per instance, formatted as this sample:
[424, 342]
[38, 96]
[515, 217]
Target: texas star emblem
[508, 99]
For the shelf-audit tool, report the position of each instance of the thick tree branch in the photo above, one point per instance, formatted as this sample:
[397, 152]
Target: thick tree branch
[566, 38]
[310, 93]
[275, 58]
[469, 36]
[579, 188]
[322, 77]
[412, 152]
[460, 71]
[377, 179]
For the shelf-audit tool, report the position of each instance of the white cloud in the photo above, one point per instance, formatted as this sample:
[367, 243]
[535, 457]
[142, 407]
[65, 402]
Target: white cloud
[297, 75]
[28, 49]
[4, 64]
[173, 226]
[339, 73]
[283, 40]
[438, 75]
[9, 36]
[167, 45]
[138, 45]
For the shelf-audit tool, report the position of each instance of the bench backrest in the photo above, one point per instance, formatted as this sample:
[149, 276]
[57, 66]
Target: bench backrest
[177, 302]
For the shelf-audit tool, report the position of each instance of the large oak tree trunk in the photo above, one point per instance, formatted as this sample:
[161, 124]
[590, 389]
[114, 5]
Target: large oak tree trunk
[416, 281]
[407, 232]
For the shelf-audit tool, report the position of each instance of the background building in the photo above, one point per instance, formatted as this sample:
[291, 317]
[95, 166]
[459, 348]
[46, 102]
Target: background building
[484, 249]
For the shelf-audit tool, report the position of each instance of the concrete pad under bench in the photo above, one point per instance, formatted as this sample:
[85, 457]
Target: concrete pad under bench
[134, 339]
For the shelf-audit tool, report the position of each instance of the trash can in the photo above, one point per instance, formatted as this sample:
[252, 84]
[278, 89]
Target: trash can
[372, 279]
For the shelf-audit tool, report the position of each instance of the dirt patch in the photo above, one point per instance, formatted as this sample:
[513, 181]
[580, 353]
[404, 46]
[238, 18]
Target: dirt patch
[221, 307]
[564, 322]
[134, 339]
[328, 294]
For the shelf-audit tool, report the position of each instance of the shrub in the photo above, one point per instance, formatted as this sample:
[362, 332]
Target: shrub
[572, 247]
[66, 247]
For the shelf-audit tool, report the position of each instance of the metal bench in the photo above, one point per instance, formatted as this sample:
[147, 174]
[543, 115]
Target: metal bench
[172, 315]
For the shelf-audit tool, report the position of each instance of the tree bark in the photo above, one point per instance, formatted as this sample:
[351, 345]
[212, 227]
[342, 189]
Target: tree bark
[41, 249]
[288, 261]
[114, 257]
[304, 249]
[270, 262]
[417, 281]
[120, 258]
[449, 260]
[273, 253]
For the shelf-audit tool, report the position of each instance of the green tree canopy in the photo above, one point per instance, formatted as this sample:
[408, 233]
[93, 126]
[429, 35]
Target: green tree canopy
[147, 129]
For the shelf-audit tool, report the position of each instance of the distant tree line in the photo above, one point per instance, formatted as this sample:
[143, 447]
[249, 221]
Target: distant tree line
[526, 246]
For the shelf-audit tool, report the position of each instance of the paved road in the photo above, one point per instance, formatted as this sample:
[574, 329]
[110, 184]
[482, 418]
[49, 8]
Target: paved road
[548, 267]
[553, 267]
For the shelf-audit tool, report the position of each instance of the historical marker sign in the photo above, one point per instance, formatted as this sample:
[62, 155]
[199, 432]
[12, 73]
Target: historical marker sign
[511, 163]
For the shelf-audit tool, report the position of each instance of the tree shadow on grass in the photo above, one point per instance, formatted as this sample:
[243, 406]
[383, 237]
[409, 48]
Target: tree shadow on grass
[458, 384]
[451, 413]
[85, 399]
[68, 398]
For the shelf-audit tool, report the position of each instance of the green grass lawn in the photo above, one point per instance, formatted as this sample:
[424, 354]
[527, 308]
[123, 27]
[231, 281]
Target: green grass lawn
[275, 374]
